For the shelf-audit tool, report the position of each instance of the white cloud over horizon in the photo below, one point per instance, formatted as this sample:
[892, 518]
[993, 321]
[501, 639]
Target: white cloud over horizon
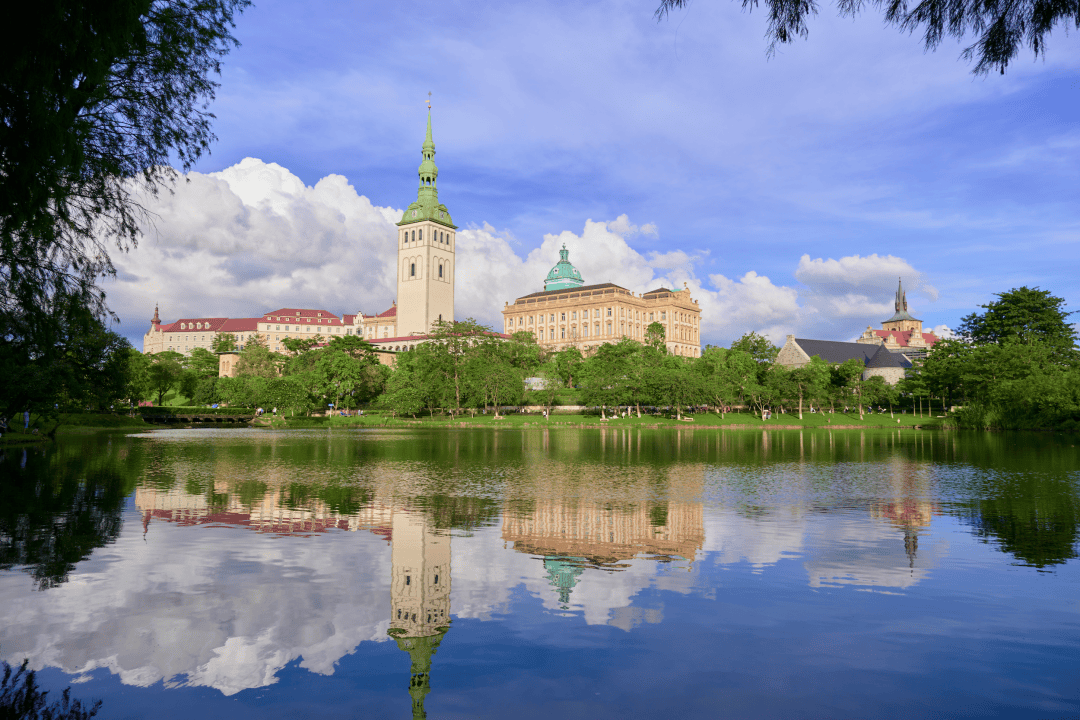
[254, 237]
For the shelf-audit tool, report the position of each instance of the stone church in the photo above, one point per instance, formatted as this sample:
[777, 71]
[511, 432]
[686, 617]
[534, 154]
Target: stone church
[885, 353]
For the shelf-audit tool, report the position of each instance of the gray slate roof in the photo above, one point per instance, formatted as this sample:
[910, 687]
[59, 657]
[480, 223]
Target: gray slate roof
[873, 356]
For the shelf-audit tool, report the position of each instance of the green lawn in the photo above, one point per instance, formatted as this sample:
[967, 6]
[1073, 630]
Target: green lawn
[732, 420]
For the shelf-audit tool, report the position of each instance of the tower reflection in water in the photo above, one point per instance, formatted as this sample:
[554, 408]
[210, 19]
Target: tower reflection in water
[419, 597]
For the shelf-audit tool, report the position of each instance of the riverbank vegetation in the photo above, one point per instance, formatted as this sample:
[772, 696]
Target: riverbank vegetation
[1012, 366]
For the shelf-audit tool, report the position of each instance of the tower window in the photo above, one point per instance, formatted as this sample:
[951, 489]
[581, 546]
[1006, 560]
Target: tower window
[412, 269]
[414, 235]
[440, 270]
[421, 236]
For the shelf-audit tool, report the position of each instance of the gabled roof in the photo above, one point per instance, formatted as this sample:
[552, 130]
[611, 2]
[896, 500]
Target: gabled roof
[185, 325]
[392, 312]
[871, 355]
[324, 317]
[240, 325]
[660, 289]
[837, 352]
[884, 358]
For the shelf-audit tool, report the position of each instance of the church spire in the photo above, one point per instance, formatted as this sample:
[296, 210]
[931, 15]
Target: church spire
[427, 206]
[155, 321]
[901, 297]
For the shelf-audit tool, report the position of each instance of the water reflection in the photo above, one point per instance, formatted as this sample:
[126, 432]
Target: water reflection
[244, 552]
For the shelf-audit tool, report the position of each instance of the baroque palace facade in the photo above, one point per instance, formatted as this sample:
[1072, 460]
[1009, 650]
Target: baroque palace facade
[568, 313]
[425, 290]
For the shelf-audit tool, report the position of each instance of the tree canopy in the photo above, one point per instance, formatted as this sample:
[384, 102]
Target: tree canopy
[98, 99]
[1000, 29]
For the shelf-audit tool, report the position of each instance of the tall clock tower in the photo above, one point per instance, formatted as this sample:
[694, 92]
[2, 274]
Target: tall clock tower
[426, 239]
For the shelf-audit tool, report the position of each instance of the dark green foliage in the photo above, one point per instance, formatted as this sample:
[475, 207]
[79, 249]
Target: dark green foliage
[1027, 315]
[98, 99]
[757, 347]
[46, 527]
[21, 699]
[1002, 28]
[61, 356]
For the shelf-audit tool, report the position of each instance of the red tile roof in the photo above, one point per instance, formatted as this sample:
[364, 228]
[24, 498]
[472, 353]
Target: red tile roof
[392, 312]
[321, 317]
[902, 337]
[240, 325]
[206, 325]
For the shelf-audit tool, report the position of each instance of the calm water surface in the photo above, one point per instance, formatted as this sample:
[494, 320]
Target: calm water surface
[535, 574]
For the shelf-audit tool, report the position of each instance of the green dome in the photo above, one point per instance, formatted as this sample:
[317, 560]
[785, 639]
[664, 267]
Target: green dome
[563, 276]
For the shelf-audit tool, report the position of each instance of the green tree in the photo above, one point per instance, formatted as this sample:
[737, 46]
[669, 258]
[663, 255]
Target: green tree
[567, 362]
[810, 381]
[98, 102]
[756, 346]
[138, 376]
[348, 379]
[256, 360]
[60, 355]
[446, 354]
[1002, 29]
[405, 393]
[165, 371]
[524, 352]
[603, 378]
[847, 376]
[223, 343]
[202, 363]
[288, 394]
[1028, 315]
[655, 336]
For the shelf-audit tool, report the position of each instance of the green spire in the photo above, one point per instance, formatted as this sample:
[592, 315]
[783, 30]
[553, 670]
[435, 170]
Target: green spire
[420, 650]
[429, 144]
[427, 206]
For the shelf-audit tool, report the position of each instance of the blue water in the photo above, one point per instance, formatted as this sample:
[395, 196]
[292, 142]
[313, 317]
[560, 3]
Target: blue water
[584, 574]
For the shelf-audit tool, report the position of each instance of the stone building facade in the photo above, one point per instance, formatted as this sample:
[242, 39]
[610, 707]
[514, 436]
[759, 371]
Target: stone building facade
[877, 360]
[568, 313]
[901, 333]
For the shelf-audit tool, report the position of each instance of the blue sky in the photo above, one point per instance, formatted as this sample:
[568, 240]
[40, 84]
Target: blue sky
[788, 192]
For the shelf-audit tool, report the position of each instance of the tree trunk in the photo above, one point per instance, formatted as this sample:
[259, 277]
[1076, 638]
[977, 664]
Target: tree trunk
[800, 406]
[602, 415]
[639, 411]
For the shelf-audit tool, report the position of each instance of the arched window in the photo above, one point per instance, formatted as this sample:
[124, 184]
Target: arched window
[440, 270]
[421, 236]
[412, 269]
[414, 235]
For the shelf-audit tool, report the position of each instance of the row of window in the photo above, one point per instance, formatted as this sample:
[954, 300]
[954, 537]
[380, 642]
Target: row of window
[417, 236]
[597, 312]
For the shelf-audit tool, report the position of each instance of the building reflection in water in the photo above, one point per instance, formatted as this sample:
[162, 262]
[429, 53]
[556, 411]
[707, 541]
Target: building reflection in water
[577, 517]
[420, 556]
[419, 598]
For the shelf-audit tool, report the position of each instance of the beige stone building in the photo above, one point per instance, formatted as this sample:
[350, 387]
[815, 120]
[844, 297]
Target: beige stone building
[425, 291]
[568, 313]
[901, 333]
[877, 361]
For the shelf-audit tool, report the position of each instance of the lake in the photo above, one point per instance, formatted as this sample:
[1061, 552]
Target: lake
[573, 573]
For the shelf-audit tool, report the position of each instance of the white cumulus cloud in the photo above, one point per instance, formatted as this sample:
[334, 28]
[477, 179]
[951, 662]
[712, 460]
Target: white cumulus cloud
[254, 237]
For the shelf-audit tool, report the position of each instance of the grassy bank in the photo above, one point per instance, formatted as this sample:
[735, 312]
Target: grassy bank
[732, 421]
